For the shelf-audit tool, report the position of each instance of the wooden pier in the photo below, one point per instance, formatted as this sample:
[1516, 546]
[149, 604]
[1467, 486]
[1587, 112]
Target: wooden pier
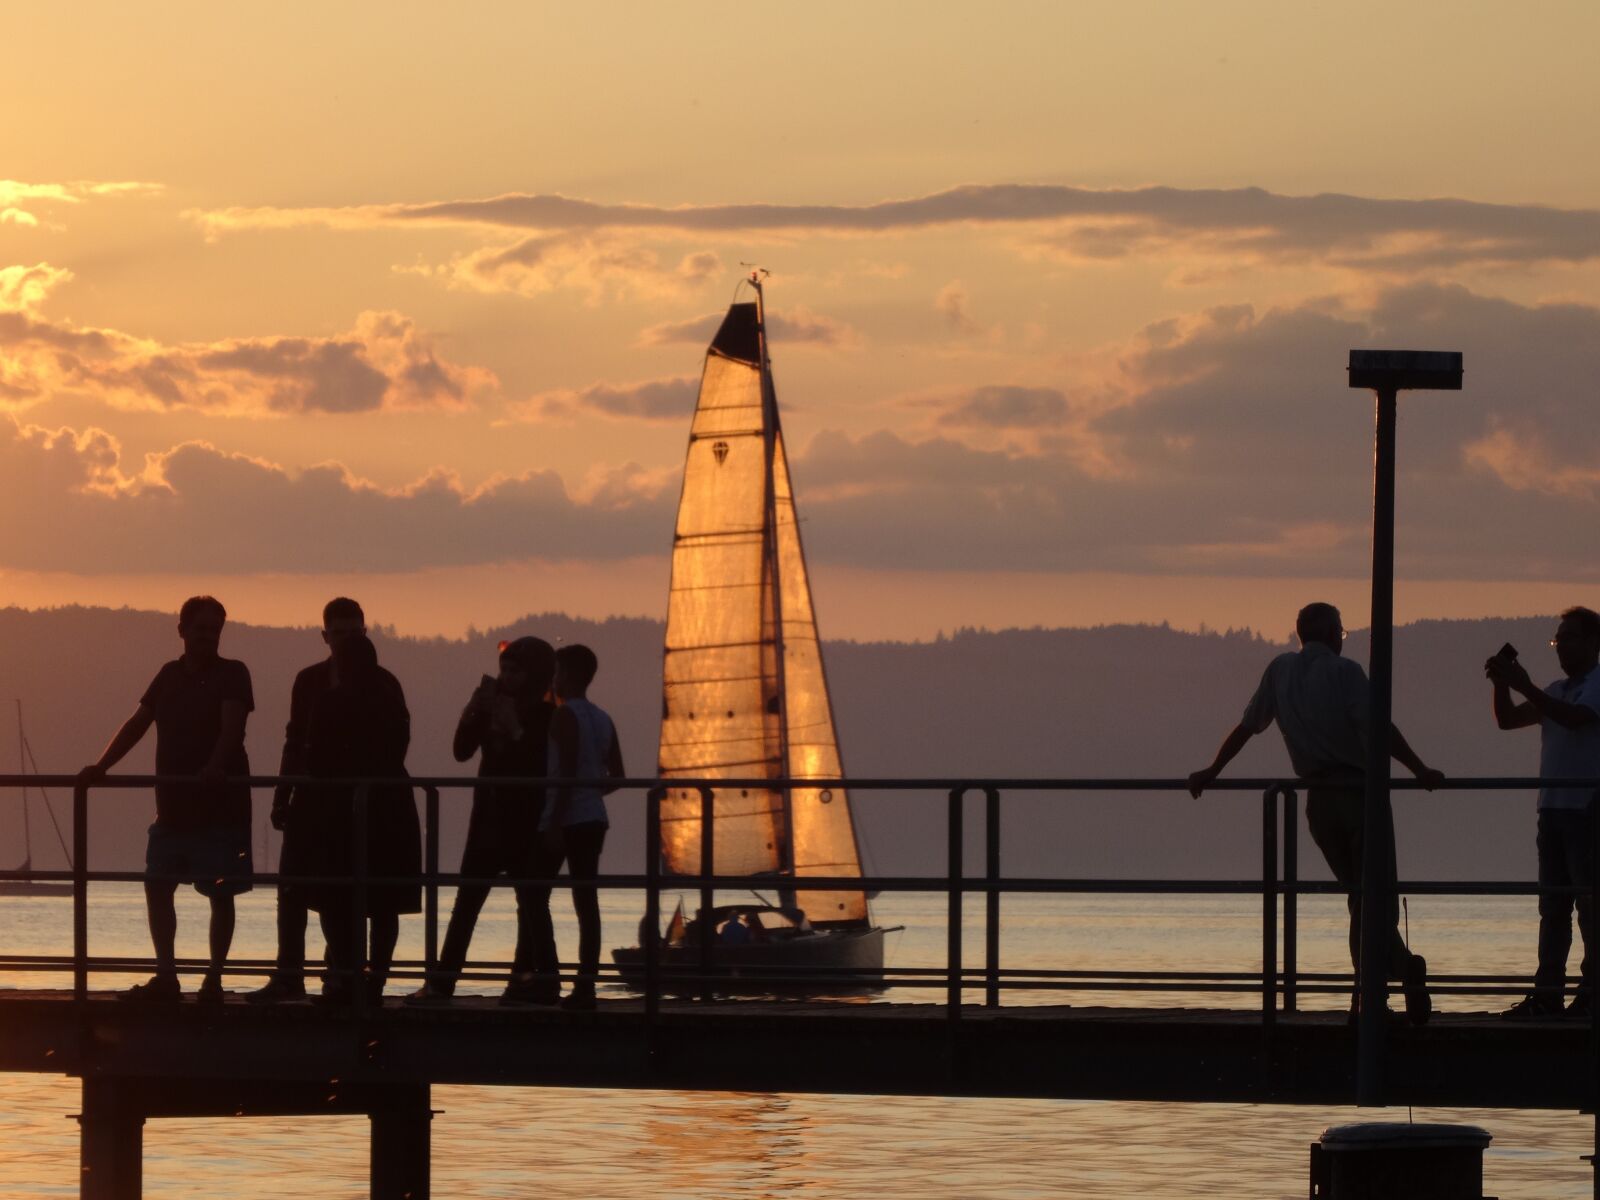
[139, 1062]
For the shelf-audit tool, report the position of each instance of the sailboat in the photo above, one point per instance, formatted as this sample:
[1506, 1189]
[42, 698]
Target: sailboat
[745, 696]
[33, 887]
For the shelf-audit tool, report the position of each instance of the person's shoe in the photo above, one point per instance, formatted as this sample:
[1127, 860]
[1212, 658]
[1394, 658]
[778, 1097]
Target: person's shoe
[374, 991]
[528, 987]
[277, 991]
[210, 990]
[430, 996]
[1353, 1017]
[1535, 1006]
[1581, 1008]
[1419, 1005]
[159, 989]
[579, 999]
[521, 993]
[333, 995]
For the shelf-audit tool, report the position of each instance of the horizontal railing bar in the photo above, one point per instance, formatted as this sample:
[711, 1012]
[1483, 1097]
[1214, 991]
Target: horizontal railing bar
[928, 884]
[943, 785]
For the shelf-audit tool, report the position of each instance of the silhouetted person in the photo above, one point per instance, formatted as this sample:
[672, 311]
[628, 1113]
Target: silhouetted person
[1568, 716]
[198, 704]
[583, 745]
[359, 727]
[1320, 701]
[341, 618]
[507, 720]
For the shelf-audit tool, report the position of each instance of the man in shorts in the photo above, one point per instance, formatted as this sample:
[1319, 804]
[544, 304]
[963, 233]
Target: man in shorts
[198, 704]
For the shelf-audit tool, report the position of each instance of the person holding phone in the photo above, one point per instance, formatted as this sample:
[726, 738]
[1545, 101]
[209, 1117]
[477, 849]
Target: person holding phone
[1568, 716]
[506, 723]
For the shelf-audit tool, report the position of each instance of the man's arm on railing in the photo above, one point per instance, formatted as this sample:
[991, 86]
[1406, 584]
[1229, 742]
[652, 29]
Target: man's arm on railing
[1400, 750]
[1231, 745]
[125, 739]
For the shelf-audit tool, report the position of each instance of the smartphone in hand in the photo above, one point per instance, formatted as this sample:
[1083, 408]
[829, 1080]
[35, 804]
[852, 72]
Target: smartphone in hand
[1507, 652]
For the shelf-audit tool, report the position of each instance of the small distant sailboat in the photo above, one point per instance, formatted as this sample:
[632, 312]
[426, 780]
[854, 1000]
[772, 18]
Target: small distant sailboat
[746, 697]
[33, 887]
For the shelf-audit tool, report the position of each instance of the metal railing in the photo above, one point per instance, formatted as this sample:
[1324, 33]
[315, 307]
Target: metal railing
[1279, 983]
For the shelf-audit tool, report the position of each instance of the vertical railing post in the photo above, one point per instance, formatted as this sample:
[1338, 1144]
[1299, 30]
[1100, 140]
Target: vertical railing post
[991, 876]
[708, 899]
[357, 930]
[430, 883]
[1269, 907]
[650, 934]
[80, 891]
[1291, 898]
[952, 969]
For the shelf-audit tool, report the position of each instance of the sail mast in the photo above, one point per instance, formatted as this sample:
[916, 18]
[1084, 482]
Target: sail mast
[769, 549]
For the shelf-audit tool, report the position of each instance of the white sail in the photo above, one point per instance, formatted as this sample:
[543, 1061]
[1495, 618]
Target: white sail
[823, 834]
[730, 708]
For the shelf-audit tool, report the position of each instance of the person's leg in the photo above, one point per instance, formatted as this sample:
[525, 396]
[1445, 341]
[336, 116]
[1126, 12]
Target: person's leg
[1555, 909]
[583, 864]
[221, 936]
[1576, 843]
[380, 958]
[344, 956]
[483, 857]
[163, 915]
[1329, 817]
[292, 919]
[536, 973]
[163, 856]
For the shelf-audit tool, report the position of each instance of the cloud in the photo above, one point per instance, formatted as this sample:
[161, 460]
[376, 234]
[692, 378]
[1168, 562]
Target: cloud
[1007, 408]
[670, 399]
[597, 264]
[385, 362]
[1230, 442]
[196, 508]
[798, 326]
[1227, 441]
[25, 288]
[1401, 235]
[21, 203]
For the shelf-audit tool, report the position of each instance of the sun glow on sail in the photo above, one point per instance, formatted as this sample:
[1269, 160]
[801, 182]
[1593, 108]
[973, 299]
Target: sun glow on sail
[745, 694]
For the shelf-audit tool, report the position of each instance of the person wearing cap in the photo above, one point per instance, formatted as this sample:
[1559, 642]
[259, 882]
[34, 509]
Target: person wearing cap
[507, 724]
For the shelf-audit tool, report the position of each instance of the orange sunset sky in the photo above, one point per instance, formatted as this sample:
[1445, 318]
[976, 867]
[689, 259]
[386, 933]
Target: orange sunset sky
[410, 302]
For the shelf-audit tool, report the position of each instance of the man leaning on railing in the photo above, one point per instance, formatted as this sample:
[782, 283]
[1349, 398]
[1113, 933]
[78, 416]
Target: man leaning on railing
[1320, 701]
[198, 704]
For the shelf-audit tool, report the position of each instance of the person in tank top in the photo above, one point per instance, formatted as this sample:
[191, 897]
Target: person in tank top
[583, 745]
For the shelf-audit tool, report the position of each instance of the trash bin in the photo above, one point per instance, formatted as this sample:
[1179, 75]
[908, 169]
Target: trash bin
[1387, 1160]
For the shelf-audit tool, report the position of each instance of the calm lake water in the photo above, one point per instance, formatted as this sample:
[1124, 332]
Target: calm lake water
[506, 1143]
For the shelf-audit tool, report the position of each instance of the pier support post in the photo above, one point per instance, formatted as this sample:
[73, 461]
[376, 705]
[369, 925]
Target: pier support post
[111, 1144]
[401, 1150]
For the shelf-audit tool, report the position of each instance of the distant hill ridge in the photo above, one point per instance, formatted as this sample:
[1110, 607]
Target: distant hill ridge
[1117, 700]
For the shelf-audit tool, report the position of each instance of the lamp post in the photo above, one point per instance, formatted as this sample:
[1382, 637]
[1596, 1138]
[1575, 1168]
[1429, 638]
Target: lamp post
[1386, 372]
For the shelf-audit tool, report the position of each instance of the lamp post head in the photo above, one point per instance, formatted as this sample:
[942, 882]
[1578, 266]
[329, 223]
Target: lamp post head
[1397, 370]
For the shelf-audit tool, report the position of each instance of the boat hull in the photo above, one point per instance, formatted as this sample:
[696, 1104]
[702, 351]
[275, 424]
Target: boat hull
[829, 962]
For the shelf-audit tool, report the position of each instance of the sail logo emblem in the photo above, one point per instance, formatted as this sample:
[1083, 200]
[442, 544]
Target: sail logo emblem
[720, 449]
